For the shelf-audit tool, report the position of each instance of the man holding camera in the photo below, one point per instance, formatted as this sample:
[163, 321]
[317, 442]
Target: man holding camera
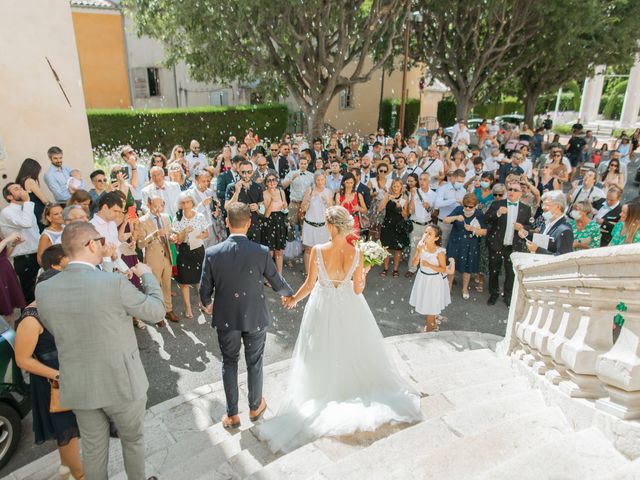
[249, 192]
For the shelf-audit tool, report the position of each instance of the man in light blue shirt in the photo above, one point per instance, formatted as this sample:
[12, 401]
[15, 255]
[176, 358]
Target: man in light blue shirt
[57, 176]
[448, 197]
[335, 178]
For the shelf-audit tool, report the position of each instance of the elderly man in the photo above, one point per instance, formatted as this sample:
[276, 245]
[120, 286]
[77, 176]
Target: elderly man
[156, 236]
[101, 374]
[202, 193]
[556, 236]
[262, 170]
[17, 217]
[197, 161]
[74, 213]
[167, 190]
[608, 212]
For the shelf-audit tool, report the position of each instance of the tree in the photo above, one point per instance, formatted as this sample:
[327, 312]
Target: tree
[577, 36]
[465, 42]
[314, 49]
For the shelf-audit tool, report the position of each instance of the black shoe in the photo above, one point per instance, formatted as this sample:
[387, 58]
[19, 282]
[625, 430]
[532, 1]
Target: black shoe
[507, 301]
[492, 299]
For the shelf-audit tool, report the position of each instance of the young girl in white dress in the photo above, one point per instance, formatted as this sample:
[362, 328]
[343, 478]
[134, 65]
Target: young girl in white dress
[430, 294]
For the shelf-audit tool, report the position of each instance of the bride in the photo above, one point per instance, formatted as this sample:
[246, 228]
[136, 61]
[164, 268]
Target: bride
[341, 379]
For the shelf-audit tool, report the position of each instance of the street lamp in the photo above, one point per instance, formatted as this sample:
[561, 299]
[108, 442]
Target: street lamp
[417, 18]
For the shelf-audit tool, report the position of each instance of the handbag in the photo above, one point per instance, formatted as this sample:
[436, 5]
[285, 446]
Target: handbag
[54, 403]
[406, 226]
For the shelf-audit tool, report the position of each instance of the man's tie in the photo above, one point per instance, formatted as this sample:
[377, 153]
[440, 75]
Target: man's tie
[512, 204]
[163, 238]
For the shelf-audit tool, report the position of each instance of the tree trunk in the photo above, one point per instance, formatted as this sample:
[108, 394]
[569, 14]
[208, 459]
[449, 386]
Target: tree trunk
[314, 117]
[530, 100]
[463, 106]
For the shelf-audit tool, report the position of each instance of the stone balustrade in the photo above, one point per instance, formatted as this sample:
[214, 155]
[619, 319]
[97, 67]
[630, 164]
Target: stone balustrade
[561, 324]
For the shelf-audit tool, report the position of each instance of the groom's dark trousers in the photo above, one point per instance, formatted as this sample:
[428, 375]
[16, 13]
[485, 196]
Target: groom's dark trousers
[234, 272]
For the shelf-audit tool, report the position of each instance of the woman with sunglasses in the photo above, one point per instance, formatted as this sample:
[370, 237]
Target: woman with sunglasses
[560, 167]
[158, 159]
[464, 240]
[177, 156]
[274, 228]
[379, 186]
[546, 180]
[612, 176]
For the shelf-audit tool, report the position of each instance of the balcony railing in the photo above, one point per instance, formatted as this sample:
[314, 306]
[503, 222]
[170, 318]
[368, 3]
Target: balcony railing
[561, 324]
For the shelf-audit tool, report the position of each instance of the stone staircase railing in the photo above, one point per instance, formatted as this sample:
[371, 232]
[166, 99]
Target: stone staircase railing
[561, 324]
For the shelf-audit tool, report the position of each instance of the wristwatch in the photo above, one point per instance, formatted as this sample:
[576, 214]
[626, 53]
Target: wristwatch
[57, 378]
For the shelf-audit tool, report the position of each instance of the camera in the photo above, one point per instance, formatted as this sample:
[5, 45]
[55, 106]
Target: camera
[114, 173]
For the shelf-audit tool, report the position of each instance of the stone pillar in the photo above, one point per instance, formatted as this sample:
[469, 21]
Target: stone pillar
[591, 94]
[631, 104]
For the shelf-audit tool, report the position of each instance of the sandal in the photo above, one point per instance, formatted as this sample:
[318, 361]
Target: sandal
[396, 274]
[383, 273]
[479, 288]
[409, 274]
[188, 314]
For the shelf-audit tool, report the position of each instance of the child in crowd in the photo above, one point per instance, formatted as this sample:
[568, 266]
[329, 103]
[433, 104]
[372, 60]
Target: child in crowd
[430, 293]
[75, 181]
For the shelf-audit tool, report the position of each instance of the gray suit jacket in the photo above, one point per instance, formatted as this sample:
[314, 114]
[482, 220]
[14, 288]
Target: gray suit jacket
[89, 311]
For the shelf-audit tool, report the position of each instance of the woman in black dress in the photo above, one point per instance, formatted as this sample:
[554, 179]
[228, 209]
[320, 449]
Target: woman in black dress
[394, 234]
[28, 178]
[36, 353]
[191, 229]
[274, 228]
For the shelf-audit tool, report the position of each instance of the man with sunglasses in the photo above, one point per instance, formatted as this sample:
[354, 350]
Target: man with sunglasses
[101, 374]
[503, 218]
[99, 181]
[262, 170]
[248, 192]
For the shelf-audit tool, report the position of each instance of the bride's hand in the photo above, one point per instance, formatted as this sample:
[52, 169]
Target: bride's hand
[366, 269]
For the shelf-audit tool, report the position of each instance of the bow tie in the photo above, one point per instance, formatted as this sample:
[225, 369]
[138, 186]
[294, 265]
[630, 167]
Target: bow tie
[512, 204]
[159, 188]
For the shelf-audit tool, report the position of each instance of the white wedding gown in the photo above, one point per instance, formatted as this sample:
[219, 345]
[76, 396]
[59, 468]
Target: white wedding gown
[341, 378]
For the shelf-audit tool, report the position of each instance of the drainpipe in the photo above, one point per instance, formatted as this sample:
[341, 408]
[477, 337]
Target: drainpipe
[175, 86]
[126, 58]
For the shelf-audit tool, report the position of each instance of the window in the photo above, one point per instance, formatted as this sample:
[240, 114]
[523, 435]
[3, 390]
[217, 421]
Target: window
[346, 99]
[146, 82]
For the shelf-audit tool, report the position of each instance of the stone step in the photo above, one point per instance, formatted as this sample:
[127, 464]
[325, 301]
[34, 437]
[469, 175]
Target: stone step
[300, 463]
[487, 391]
[631, 471]
[430, 384]
[579, 455]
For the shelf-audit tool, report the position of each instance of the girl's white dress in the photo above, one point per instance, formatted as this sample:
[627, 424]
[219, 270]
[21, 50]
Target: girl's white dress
[430, 294]
[341, 379]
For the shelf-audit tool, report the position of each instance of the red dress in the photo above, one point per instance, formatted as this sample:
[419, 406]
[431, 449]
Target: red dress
[356, 215]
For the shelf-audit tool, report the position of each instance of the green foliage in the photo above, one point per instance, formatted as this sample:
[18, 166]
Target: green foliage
[162, 129]
[391, 123]
[446, 112]
[619, 131]
[564, 129]
[613, 107]
[492, 110]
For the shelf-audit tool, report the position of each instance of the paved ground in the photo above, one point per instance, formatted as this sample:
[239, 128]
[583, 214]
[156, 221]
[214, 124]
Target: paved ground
[186, 355]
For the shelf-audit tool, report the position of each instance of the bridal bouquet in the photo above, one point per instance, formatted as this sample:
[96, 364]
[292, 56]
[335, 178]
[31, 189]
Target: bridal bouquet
[374, 253]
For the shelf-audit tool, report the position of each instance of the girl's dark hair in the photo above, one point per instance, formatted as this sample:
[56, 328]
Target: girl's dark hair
[30, 168]
[52, 257]
[488, 175]
[438, 231]
[606, 172]
[345, 177]
[414, 176]
[78, 197]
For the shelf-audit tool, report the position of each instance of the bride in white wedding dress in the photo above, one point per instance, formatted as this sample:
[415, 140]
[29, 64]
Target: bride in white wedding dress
[341, 379]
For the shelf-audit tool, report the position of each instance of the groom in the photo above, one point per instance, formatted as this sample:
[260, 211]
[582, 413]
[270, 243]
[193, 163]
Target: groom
[234, 272]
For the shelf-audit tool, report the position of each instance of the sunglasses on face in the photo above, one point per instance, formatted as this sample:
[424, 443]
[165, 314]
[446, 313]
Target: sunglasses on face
[498, 195]
[269, 180]
[246, 172]
[99, 239]
[100, 180]
[514, 190]
[469, 207]
[179, 151]
[383, 171]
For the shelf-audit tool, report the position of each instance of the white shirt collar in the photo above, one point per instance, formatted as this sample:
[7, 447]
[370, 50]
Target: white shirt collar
[82, 263]
[238, 235]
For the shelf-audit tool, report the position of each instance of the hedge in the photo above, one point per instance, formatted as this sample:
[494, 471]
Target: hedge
[411, 114]
[446, 112]
[493, 110]
[161, 129]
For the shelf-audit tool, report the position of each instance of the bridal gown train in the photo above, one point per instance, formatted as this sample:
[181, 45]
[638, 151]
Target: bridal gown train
[341, 379]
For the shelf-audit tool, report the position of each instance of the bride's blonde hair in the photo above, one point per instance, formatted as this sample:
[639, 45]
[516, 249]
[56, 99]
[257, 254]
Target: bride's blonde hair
[340, 218]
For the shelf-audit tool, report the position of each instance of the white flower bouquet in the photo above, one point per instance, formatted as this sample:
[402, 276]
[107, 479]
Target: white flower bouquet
[374, 253]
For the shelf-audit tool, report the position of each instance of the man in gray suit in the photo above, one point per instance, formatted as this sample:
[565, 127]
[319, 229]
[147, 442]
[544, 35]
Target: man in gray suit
[230, 267]
[101, 376]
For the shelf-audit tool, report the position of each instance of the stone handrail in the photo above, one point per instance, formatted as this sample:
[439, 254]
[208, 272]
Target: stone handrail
[561, 324]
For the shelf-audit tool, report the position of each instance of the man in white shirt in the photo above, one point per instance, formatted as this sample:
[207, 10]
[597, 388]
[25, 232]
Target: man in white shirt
[110, 206]
[472, 177]
[168, 191]
[493, 128]
[57, 176]
[376, 149]
[527, 164]
[17, 217]
[381, 137]
[434, 166]
[412, 146]
[298, 181]
[197, 161]
[366, 171]
[421, 202]
[448, 197]
[585, 191]
[138, 173]
[492, 162]
[203, 195]
[412, 164]
[461, 136]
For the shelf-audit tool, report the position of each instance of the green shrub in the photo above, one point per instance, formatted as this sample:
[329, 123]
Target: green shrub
[391, 123]
[492, 110]
[446, 112]
[619, 131]
[163, 128]
[564, 129]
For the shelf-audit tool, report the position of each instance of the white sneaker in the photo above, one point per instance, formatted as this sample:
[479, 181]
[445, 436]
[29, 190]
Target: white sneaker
[64, 473]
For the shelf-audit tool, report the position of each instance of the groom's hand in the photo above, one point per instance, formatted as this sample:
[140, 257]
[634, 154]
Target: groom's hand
[208, 310]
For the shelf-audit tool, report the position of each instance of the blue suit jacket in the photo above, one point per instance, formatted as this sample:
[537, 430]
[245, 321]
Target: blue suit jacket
[234, 272]
[561, 240]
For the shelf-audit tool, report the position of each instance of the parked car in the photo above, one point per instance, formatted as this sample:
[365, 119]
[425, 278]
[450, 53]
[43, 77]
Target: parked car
[15, 400]
[472, 124]
[513, 119]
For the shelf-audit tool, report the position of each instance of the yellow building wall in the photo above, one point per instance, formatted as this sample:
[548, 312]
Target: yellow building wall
[363, 117]
[101, 49]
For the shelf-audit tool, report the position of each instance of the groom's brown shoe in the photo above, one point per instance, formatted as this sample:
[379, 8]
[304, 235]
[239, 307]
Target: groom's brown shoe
[232, 421]
[254, 415]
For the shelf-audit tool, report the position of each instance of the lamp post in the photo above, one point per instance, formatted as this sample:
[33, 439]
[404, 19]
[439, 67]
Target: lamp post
[411, 17]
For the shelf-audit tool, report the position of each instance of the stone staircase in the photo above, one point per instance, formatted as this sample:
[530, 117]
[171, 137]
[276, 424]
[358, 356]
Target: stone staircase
[485, 419]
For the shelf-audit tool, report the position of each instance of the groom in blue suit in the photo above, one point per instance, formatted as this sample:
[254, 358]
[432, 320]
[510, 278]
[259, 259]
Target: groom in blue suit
[234, 272]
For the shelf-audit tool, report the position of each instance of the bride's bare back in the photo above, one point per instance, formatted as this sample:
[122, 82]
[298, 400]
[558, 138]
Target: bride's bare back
[337, 260]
